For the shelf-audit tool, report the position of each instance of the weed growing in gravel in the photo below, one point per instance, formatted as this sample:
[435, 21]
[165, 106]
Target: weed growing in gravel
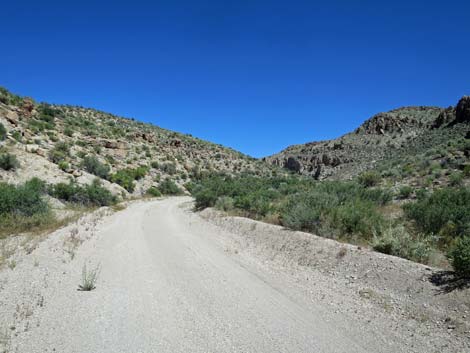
[89, 278]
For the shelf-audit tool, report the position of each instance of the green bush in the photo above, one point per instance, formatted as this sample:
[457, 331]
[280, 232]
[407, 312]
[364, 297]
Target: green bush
[398, 242]
[441, 211]
[22, 200]
[3, 132]
[8, 161]
[169, 168]
[369, 179]
[302, 204]
[92, 165]
[68, 132]
[466, 171]
[59, 153]
[459, 256]
[455, 179]
[356, 217]
[89, 195]
[125, 178]
[168, 187]
[140, 172]
[154, 192]
[64, 165]
[224, 203]
[305, 211]
[405, 192]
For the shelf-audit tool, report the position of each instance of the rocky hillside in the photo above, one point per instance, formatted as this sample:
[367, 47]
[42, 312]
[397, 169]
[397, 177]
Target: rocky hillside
[58, 142]
[413, 139]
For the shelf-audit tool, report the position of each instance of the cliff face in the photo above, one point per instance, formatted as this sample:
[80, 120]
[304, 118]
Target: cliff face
[381, 137]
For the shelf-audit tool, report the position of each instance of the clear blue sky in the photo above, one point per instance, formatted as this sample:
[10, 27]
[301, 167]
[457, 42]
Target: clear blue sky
[254, 75]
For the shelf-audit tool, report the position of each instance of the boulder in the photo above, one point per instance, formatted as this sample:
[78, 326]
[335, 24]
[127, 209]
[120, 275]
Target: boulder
[12, 117]
[41, 152]
[31, 148]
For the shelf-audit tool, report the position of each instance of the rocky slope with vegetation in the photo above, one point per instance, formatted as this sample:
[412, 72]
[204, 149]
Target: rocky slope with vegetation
[420, 144]
[85, 143]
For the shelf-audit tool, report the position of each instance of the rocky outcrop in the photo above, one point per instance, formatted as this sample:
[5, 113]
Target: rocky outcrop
[446, 117]
[292, 164]
[462, 111]
[384, 123]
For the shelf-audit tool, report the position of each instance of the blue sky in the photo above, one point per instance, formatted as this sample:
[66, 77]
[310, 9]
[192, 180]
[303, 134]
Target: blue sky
[253, 75]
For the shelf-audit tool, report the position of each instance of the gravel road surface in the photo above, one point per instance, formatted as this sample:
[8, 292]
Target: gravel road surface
[169, 284]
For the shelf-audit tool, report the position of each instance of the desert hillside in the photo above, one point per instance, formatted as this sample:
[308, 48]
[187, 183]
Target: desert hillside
[418, 144]
[58, 143]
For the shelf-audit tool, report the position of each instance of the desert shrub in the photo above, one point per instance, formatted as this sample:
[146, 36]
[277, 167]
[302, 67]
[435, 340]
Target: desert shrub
[63, 165]
[92, 165]
[441, 211]
[459, 256]
[125, 178]
[7, 97]
[110, 159]
[369, 179]
[23, 200]
[88, 195]
[140, 172]
[306, 211]
[8, 161]
[399, 242]
[356, 217]
[405, 192]
[224, 203]
[302, 204]
[3, 132]
[155, 164]
[68, 132]
[466, 171]
[456, 178]
[60, 152]
[22, 208]
[17, 135]
[48, 112]
[169, 168]
[153, 191]
[168, 187]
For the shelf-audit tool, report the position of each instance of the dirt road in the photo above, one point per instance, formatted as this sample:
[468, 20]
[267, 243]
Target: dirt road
[169, 283]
